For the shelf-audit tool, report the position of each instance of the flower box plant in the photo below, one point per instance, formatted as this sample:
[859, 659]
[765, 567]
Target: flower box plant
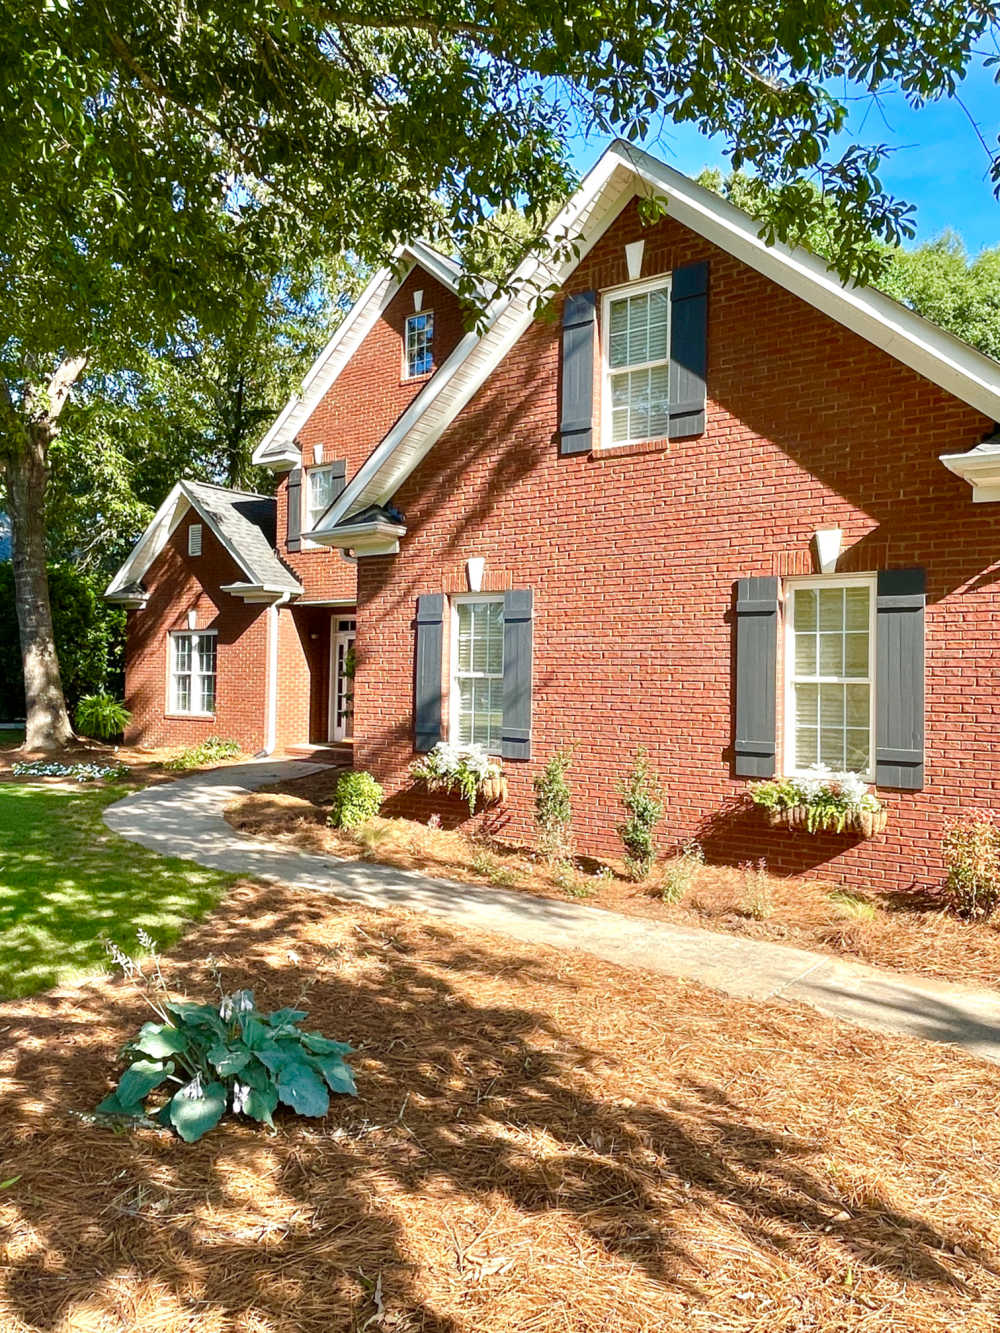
[466, 769]
[821, 800]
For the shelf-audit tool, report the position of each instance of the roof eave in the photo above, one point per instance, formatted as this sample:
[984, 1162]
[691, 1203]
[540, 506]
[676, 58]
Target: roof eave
[375, 538]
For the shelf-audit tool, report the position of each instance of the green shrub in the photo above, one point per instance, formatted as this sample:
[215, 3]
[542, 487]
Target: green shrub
[358, 799]
[223, 1057]
[212, 750]
[680, 873]
[971, 849]
[554, 808]
[101, 716]
[642, 797]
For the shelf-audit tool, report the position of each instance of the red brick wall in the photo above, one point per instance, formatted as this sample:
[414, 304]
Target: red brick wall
[370, 394]
[632, 555]
[175, 583]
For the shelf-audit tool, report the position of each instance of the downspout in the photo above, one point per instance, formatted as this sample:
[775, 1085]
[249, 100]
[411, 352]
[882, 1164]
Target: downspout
[271, 708]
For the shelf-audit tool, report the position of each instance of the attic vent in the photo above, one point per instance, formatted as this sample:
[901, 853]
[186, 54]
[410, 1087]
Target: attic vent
[194, 539]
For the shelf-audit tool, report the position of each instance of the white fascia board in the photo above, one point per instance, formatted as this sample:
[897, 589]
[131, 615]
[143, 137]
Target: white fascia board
[622, 172]
[980, 467]
[351, 534]
[277, 449]
[152, 541]
[255, 592]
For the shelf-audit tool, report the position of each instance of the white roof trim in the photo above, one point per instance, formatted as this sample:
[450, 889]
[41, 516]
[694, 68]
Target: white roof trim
[622, 172]
[277, 449]
[158, 533]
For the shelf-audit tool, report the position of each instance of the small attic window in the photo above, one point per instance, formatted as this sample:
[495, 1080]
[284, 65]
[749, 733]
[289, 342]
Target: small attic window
[194, 539]
[419, 347]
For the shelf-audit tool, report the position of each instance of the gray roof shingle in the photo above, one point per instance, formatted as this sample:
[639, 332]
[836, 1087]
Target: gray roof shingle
[247, 524]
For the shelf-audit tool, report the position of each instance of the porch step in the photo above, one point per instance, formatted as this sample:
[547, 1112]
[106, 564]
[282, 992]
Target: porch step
[340, 753]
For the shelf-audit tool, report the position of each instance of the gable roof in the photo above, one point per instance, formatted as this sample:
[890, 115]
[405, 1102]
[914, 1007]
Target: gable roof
[277, 449]
[622, 173]
[243, 522]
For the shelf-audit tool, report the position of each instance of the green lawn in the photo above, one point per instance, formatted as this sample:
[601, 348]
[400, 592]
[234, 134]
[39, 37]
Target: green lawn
[9, 738]
[67, 884]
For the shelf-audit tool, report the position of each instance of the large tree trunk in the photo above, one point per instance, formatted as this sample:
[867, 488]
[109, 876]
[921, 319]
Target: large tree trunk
[47, 726]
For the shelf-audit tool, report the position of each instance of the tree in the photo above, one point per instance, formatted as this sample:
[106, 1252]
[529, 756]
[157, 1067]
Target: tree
[155, 155]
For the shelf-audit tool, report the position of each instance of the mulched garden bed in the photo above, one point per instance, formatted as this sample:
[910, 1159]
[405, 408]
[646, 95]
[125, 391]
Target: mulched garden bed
[542, 1142]
[907, 932]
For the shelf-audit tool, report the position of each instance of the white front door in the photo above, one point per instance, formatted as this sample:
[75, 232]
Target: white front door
[342, 633]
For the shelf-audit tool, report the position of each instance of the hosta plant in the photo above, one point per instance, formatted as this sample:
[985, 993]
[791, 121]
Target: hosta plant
[200, 1060]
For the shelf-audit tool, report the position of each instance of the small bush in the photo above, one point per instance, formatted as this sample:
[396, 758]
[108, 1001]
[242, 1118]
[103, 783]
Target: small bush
[568, 878]
[756, 901]
[487, 865]
[102, 716]
[225, 1056]
[971, 850]
[642, 797]
[554, 808]
[680, 873]
[358, 799]
[212, 750]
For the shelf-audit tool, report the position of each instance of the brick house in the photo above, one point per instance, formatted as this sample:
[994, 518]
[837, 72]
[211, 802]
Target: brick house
[719, 505]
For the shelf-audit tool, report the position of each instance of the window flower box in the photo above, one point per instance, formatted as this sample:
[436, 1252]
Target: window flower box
[821, 801]
[467, 770]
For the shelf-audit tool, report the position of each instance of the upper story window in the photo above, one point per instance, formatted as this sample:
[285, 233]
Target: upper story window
[829, 706]
[192, 672]
[323, 484]
[477, 672]
[636, 334]
[420, 344]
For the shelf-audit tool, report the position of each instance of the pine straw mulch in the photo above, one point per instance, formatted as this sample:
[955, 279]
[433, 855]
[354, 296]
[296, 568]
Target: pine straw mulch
[905, 932]
[542, 1142]
[146, 764]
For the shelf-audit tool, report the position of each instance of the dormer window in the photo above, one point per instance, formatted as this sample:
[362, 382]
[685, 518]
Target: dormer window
[419, 341]
[636, 398]
[325, 484]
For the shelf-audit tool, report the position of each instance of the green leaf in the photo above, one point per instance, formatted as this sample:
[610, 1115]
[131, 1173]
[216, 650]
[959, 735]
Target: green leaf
[302, 1089]
[337, 1074]
[159, 1040]
[255, 1075]
[197, 1108]
[140, 1079]
[260, 1104]
[6, 1184]
[255, 1033]
[323, 1046]
[286, 1017]
[201, 1015]
[113, 1105]
[229, 1060]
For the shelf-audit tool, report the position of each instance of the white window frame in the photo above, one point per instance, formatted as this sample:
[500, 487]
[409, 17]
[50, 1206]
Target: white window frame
[305, 516]
[607, 297]
[173, 707]
[789, 586]
[454, 694]
[417, 374]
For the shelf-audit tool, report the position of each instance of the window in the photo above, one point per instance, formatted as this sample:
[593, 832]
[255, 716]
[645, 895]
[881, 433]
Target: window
[194, 539]
[829, 712]
[420, 344]
[636, 397]
[477, 672]
[323, 484]
[192, 672]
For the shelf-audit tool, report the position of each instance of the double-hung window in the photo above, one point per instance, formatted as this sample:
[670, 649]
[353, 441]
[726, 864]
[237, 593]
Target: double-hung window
[829, 704]
[636, 391]
[321, 492]
[192, 672]
[419, 348]
[477, 672]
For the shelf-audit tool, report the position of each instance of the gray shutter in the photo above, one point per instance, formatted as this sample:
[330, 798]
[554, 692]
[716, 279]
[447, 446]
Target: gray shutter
[576, 419]
[756, 677]
[293, 541]
[427, 686]
[899, 678]
[518, 610]
[688, 349]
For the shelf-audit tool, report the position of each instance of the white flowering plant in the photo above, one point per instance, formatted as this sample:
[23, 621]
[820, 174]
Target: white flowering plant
[831, 800]
[462, 768]
[208, 1058]
[50, 768]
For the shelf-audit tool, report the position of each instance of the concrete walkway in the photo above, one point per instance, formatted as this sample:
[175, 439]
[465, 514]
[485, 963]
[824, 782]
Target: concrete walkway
[184, 818]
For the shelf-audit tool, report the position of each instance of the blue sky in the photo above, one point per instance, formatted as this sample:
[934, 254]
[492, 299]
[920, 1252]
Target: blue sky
[940, 165]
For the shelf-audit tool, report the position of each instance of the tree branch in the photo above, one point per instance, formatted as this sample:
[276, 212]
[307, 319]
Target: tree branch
[68, 372]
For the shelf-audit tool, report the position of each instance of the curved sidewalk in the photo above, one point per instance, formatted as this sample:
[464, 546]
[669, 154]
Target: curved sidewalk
[185, 819]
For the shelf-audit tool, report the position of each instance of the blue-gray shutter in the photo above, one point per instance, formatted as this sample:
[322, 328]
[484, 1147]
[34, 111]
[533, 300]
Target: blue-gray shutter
[427, 685]
[576, 418]
[294, 535]
[899, 678]
[756, 677]
[518, 610]
[688, 349]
